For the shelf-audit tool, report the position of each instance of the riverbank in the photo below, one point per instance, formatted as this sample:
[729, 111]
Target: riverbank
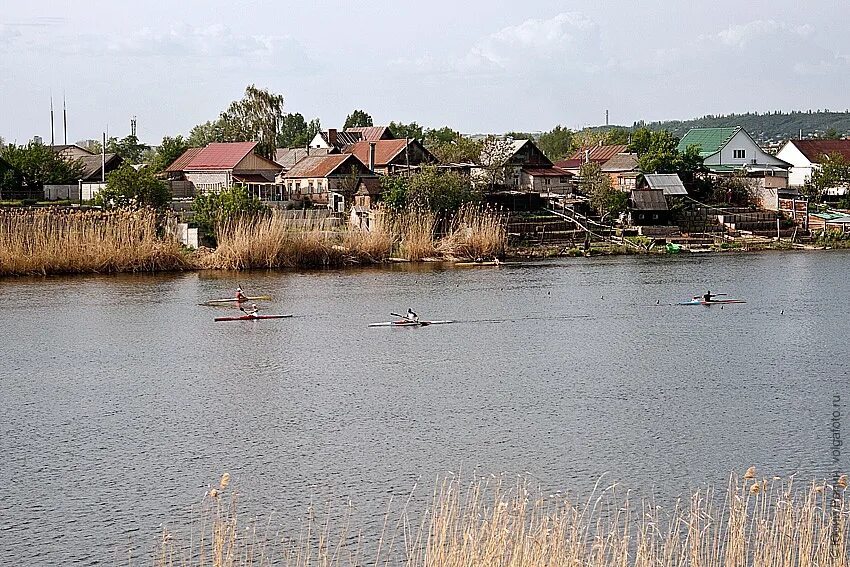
[497, 521]
[44, 241]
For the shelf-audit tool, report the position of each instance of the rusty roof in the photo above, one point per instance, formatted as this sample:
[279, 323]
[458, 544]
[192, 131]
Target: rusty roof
[221, 155]
[385, 150]
[185, 159]
[598, 154]
[816, 150]
[372, 133]
[322, 166]
[287, 157]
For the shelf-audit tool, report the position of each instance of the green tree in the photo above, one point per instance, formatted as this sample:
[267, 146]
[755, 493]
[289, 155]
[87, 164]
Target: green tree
[358, 118]
[519, 135]
[440, 191]
[255, 118]
[296, 132]
[39, 165]
[449, 146]
[206, 133]
[128, 187]
[831, 134]
[603, 196]
[833, 172]
[214, 208]
[412, 130]
[557, 143]
[168, 150]
[129, 148]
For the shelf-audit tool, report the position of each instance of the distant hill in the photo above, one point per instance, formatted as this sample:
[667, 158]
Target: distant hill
[768, 128]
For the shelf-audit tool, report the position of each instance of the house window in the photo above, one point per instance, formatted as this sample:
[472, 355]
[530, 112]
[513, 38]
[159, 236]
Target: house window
[310, 186]
[297, 186]
[548, 181]
[565, 180]
[739, 154]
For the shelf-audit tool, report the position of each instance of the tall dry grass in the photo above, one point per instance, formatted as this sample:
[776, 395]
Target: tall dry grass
[493, 523]
[374, 244]
[475, 232]
[275, 240]
[413, 230]
[50, 241]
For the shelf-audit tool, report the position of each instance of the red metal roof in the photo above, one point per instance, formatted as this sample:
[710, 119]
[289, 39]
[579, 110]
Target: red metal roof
[217, 155]
[180, 163]
[815, 150]
[598, 154]
[321, 166]
[385, 151]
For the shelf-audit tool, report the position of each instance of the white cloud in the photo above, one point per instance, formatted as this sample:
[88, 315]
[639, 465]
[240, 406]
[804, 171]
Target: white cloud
[567, 38]
[743, 35]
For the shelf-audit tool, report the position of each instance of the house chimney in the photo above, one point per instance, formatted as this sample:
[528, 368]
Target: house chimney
[372, 157]
[586, 156]
[332, 137]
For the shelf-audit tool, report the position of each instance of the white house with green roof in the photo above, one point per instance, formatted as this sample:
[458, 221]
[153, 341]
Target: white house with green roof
[731, 149]
[726, 151]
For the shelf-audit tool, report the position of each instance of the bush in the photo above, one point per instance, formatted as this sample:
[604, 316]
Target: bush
[213, 210]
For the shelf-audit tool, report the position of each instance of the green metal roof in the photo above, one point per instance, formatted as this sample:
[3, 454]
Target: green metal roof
[709, 140]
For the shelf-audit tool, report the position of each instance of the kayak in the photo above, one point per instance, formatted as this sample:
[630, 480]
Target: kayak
[712, 302]
[409, 323]
[491, 263]
[234, 300]
[251, 317]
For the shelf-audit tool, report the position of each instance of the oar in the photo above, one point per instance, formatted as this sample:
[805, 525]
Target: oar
[397, 315]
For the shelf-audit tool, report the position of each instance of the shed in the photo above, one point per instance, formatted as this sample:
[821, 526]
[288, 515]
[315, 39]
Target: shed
[649, 207]
[668, 183]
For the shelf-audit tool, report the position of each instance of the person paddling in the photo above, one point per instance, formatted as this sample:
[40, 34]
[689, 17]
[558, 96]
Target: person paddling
[239, 295]
[411, 316]
[708, 296]
[252, 311]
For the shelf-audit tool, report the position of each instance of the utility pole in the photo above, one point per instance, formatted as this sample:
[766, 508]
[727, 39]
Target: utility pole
[64, 120]
[52, 141]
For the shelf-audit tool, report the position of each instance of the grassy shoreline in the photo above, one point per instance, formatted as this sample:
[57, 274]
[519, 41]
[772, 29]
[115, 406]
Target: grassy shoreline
[45, 241]
[496, 521]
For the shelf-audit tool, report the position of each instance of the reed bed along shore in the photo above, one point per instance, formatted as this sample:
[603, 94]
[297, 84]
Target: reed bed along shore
[49, 241]
[279, 240]
[761, 522]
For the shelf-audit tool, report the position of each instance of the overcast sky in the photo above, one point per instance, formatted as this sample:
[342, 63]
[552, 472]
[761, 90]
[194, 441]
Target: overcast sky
[475, 65]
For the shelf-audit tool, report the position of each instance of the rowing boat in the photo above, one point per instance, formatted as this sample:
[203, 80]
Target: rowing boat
[234, 300]
[491, 263]
[405, 323]
[712, 302]
[252, 317]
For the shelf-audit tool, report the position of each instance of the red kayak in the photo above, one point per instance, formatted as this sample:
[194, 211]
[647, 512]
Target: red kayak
[251, 317]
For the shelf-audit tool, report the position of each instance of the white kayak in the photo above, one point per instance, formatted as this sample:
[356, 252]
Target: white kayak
[405, 323]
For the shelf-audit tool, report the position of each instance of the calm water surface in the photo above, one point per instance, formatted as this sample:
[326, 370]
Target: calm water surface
[122, 400]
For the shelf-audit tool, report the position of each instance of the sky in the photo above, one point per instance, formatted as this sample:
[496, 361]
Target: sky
[478, 66]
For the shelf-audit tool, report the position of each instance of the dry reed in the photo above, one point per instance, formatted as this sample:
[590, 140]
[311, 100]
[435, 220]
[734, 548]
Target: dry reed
[374, 244]
[50, 241]
[493, 523]
[275, 240]
[413, 230]
[475, 233]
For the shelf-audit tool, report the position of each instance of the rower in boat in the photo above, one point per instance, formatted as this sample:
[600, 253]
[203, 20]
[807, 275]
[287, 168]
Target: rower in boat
[239, 295]
[708, 296]
[252, 311]
[411, 316]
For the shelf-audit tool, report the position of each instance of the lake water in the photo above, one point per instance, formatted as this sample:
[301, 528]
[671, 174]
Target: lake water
[122, 400]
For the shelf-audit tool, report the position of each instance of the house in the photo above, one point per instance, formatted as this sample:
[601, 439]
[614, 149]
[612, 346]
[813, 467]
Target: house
[286, 158]
[669, 184]
[623, 170]
[71, 152]
[807, 155]
[387, 157]
[648, 207]
[95, 166]
[828, 222]
[330, 180]
[730, 151]
[221, 165]
[527, 169]
[599, 154]
[333, 139]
